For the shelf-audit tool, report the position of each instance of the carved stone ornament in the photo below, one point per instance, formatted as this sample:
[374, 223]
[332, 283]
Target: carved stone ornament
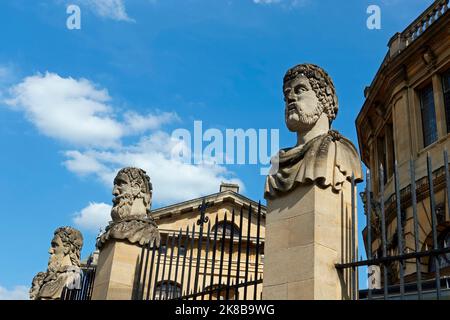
[131, 218]
[63, 266]
[322, 156]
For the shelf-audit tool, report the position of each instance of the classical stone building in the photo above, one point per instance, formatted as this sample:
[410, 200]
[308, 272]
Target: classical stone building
[406, 115]
[173, 218]
[177, 272]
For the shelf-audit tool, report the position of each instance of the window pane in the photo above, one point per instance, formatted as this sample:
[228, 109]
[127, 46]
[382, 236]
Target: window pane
[428, 116]
[446, 87]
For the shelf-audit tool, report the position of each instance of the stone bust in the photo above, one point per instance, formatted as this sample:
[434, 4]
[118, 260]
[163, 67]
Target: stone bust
[132, 194]
[321, 155]
[131, 217]
[63, 266]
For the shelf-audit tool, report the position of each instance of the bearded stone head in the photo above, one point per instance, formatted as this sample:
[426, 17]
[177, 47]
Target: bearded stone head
[65, 249]
[132, 194]
[308, 93]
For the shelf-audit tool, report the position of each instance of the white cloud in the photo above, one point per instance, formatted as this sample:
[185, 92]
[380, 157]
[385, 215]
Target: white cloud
[112, 9]
[79, 114]
[173, 180]
[137, 123]
[17, 293]
[77, 111]
[93, 217]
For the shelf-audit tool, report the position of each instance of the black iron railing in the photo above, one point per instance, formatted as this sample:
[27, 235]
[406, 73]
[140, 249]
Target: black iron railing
[220, 261]
[391, 255]
[85, 291]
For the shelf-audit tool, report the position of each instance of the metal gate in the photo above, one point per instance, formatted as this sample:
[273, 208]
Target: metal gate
[394, 252]
[218, 262]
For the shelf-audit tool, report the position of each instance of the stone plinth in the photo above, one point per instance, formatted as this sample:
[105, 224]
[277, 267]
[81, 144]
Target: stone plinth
[116, 271]
[308, 231]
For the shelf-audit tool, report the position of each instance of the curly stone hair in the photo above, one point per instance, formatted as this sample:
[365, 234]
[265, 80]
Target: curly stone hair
[140, 177]
[73, 241]
[322, 85]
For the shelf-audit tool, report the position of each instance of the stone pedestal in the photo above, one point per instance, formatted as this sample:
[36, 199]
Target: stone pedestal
[308, 231]
[117, 271]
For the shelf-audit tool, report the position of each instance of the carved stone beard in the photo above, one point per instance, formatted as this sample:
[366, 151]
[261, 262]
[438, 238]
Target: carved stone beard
[122, 206]
[54, 263]
[311, 118]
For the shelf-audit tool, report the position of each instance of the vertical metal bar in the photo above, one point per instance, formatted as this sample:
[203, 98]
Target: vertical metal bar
[155, 284]
[163, 269]
[399, 231]
[433, 225]
[412, 175]
[137, 282]
[238, 267]
[175, 295]
[383, 232]
[147, 253]
[247, 249]
[258, 230]
[186, 241]
[447, 179]
[369, 223]
[197, 266]
[91, 283]
[205, 267]
[230, 256]
[190, 259]
[152, 264]
[354, 254]
[213, 262]
[222, 253]
[169, 277]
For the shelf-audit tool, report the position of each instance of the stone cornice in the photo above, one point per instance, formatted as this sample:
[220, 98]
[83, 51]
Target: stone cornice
[216, 198]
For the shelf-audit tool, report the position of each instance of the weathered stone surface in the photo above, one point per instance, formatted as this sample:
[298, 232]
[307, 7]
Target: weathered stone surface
[321, 155]
[63, 266]
[131, 218]
[308, 193]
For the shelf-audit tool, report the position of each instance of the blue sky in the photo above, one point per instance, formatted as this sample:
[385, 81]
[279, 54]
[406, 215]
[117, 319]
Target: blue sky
[138, 69]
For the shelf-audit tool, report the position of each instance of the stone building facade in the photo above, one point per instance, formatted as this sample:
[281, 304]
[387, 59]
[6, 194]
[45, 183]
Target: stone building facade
[406, 115]
[173, 218]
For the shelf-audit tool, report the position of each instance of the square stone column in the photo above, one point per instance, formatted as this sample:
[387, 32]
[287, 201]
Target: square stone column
[117, 271]
[308, 231]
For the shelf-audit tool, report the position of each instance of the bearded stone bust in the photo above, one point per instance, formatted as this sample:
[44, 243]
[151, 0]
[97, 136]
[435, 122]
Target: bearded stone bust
[321, 156]
[63, 266]
[131, 216]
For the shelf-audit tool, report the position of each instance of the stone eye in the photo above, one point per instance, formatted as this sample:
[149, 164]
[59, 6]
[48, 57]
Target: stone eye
[300, 89]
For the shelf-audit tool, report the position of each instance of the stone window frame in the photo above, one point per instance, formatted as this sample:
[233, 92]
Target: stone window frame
[427, 78]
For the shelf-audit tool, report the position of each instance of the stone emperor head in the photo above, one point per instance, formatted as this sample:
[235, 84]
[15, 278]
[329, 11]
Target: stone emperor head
[63, 266]
[321, 156]
[65, 248]
[132, 194]
[311, 103]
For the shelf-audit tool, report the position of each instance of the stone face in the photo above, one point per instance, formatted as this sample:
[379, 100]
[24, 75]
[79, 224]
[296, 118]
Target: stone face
[131, 218]
[63, 266]
[131, 228]
[321, 155]
[308, 192]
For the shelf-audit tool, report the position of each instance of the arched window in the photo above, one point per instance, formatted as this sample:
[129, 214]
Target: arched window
[167, 290]
[229, 227]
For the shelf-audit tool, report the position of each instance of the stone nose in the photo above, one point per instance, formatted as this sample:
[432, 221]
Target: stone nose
[115, 191]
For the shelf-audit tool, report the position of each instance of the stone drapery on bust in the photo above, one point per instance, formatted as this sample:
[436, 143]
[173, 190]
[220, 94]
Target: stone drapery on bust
[63, 266]
[321, 156]
[131, 218]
